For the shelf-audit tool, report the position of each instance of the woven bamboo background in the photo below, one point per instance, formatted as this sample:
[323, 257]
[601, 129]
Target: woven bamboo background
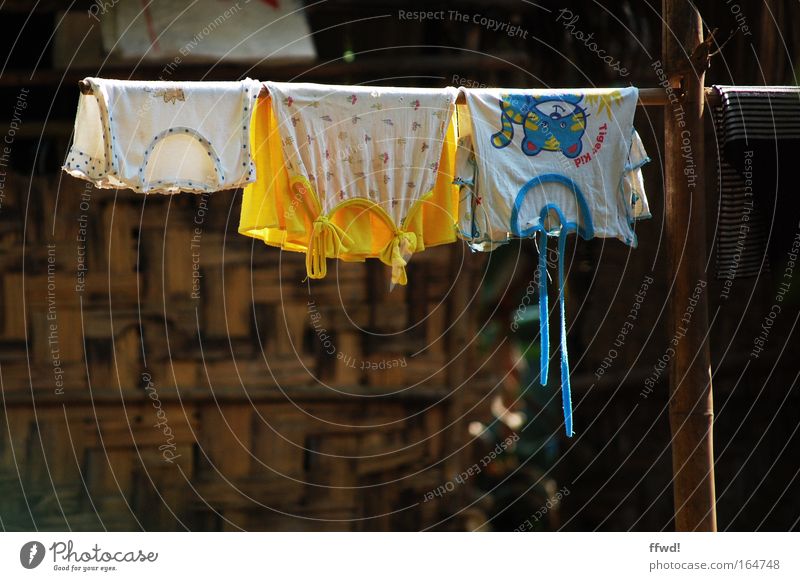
[189, 377]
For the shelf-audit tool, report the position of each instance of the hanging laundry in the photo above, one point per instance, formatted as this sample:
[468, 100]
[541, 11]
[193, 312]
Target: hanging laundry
[164, 137]
[353, 173]
[533, 163]
[758, 131]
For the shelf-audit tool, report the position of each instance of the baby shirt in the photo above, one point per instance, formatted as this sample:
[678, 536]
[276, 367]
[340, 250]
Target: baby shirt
[549, 162]
[576, 150]
[165, 137]
[353, 173]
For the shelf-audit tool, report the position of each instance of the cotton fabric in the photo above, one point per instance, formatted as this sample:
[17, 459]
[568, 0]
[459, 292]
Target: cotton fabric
[353, 173]
[164, 137]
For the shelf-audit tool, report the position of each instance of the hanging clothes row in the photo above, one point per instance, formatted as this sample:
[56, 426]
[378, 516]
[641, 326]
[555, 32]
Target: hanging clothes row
[343, 172]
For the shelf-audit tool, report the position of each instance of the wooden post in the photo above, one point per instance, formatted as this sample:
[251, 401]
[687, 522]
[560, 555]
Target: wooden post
[691, 408]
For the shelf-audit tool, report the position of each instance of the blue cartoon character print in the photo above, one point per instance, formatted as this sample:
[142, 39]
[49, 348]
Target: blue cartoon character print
[549, 123]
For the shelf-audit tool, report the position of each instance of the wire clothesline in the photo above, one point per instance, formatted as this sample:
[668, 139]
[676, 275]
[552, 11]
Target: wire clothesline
[648, 97]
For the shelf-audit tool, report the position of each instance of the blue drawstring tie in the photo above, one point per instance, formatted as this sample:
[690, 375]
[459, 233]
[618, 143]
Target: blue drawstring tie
[566, 392]
[586, 231]
[543, 308]
[544, 333]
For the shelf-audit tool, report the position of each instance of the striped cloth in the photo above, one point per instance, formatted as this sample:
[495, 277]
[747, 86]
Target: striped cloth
[754, 124]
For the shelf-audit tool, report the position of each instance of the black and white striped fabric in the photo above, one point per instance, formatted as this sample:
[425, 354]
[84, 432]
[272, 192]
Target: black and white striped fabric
[752, 123]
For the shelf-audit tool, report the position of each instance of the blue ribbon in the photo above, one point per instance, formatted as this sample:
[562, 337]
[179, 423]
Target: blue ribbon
[586, 231]
[544, 334]
[566, 391]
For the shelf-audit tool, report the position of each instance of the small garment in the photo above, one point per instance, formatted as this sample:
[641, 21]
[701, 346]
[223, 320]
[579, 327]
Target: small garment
[164, 137]
[549, 162]
[353, 173]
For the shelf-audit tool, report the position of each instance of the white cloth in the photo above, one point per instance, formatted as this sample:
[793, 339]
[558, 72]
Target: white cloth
[154, 136]
[522, 151]
[379, 143]
[206, 31]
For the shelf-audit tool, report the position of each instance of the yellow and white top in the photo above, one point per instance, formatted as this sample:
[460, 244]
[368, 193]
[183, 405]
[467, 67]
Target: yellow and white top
[353, 173]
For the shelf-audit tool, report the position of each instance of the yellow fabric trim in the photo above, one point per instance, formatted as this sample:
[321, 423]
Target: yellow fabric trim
[440, 212]
[327, 240]
[302, 187]
[397, 253]
[262, 202]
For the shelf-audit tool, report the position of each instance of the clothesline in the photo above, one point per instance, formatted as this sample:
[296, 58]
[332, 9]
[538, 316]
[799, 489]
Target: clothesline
[649, 97]
[357, 172]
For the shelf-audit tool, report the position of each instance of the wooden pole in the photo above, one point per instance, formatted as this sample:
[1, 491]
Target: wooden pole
[691, 411]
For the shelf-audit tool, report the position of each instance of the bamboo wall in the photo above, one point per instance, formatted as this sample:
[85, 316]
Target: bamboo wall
[160, 371]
